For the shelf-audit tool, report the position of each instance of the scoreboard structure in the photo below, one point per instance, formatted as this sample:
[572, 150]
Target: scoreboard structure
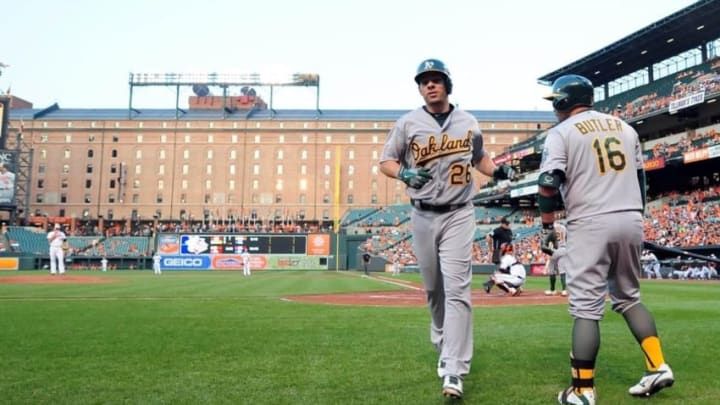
[189, 251]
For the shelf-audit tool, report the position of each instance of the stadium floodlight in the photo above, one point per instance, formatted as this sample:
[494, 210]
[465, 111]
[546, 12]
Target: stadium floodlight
[225, 79]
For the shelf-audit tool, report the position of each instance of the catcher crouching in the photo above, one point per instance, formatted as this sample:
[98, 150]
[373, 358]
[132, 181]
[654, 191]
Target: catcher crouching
[510, 274]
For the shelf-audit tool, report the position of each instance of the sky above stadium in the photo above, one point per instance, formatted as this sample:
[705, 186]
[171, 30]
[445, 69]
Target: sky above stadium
[80, 53]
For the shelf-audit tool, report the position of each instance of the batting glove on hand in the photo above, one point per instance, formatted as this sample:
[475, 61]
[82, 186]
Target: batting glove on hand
[548, 239]
[504, 172]
[415, 178]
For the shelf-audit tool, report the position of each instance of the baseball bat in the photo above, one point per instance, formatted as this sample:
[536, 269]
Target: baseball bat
[679, 252]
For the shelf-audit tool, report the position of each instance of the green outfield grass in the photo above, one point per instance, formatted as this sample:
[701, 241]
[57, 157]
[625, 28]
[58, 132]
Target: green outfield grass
[221, 338]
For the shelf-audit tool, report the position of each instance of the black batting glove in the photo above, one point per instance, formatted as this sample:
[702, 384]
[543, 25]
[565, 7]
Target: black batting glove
[415, 178]
[504, 172]
[548, 238]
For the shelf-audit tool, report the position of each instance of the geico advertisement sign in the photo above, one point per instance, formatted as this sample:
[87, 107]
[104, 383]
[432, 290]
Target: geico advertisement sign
[185, 262]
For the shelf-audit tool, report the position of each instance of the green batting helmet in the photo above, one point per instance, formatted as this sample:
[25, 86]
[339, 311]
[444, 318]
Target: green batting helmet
[571, 91]
[434, 65]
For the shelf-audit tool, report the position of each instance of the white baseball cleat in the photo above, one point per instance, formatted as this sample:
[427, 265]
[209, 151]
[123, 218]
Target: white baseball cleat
[653, 381]
[569, 396]
[563, 293]
[452, 387]
[550, 292]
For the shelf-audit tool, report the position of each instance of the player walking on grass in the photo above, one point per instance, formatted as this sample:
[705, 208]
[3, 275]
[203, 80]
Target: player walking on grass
[433, 150]
[594, 160]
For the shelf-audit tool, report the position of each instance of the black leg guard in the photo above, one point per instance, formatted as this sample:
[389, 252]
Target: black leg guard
[563, 282]
[553, 279]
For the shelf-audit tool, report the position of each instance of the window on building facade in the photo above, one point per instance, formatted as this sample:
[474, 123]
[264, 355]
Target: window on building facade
[90, 153]
[41, 183]
[63, 198]
[87, 199]
[67, 154]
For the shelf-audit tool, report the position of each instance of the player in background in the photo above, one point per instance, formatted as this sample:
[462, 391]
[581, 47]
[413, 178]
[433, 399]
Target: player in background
[156, 263]
[56, 238]
[433, 150]
[510, 275]
[103, 264]
[592, 162]
[557, 262]
[246, 261]
[651, 264]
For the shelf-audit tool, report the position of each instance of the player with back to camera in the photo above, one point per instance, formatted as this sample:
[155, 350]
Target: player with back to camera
[56, 238]
[593, 163]
[433, 150]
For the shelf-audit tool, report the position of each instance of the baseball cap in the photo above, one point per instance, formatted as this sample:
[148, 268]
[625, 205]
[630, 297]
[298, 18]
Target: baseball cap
[504, 220]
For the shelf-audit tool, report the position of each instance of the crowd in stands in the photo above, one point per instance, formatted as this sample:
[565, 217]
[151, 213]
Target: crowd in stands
[695, 139]
[674, 219]
[683, 84]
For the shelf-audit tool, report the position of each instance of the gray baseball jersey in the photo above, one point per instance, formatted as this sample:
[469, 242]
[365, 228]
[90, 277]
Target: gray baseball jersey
[600, 155]
[442, 240]
[448, 152]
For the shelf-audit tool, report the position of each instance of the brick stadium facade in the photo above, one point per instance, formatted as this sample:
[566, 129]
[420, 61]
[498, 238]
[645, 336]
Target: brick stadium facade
[106, 163]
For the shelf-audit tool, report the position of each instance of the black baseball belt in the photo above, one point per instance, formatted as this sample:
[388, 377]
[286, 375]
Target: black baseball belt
[423, 206]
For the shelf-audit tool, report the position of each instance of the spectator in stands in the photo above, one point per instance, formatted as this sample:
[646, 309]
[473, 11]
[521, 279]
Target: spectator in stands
[56, 238]
[498, 236]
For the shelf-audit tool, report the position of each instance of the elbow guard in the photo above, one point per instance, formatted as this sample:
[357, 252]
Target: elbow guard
[552, 179]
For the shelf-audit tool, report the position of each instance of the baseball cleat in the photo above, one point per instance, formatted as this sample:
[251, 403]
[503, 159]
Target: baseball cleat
[452, 387]
[517, 292]
[653, 381]
[569, 396]
[550, 292]
[512, 291]
[563, 293]
[440, 368]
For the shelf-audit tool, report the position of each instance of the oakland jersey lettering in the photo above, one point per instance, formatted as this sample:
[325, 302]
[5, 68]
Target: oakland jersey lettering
[447, 146]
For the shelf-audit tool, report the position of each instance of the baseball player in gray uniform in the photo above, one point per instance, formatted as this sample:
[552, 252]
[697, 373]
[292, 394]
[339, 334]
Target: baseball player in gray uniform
[593, 162]
[557, 262]
[651, 264]
[432, 150]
